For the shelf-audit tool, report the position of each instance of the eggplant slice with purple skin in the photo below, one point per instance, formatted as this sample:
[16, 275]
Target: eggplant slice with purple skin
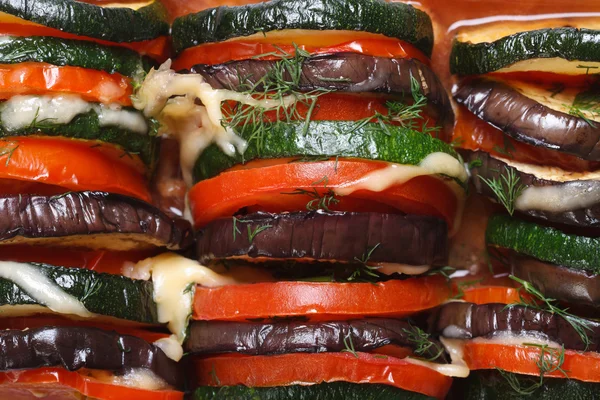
[460, 320]
[529, 121]
[326, 236]
[74, 348]
[343, 72]
[584, 193]
[91, 220]
[574, 286]
[256, 338]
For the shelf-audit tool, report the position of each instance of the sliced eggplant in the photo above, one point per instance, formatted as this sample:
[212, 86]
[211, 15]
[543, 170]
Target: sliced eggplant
[344, 72]
[322, 236]
[549, 193]
[459, 320]
[573, 286]
[309, 337]
[529, 121]
[92, 220]
[74, 348]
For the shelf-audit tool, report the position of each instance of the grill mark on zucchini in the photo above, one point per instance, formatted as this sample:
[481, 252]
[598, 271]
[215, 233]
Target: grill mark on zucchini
[396, 20]
[112, 24]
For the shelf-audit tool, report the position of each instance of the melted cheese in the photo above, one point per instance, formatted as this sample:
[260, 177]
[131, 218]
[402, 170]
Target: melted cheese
[22, 111]
[37, 285]
[453, 370]
[553, 65]
[173, 98]
[174, 278]
[136, 377]
[389, 269]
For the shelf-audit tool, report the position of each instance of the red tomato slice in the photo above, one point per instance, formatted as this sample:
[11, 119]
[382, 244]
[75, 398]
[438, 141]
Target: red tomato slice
[491, 294]
[75, 165]
[269, 188]
[62, 384]
[523, 360]
[320, 301]
[222, 52]
[286, 369]
[476, 134]
[158, 49]
[110, 262]
[41, 78]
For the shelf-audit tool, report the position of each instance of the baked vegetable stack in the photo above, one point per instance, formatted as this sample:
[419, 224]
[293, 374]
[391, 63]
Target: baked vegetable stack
[530, 119]
[322, 194]
[75, 159]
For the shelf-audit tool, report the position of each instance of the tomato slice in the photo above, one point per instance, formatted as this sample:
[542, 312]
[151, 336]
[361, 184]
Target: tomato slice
[286, 369]
[158, 49]
[320, 301]
[58, 383]
[269, 188]
[524, 359]
[40, 78]
[110, 262]
[476, 134]
[74, 165]
[491, 294]
[222, 52]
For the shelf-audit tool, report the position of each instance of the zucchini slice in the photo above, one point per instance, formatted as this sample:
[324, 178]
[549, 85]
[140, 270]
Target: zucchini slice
[76, 53]
[324, 139]
[102, 294]
[112, 24]
[544, 243]
[324, 391]
[395, 20]
[562, 50]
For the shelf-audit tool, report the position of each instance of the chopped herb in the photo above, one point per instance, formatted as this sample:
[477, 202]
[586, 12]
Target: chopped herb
[518, 384]
[326, 79]
[476, 163]
[507, 188]
[8, 150]
[365, 272]
[214, 377]
[556, 88]
[586, 106]
[465, 285]
[507, 148]
[236, 230]
[422, 343]
[349, 345]
[587, 68]
[91, 289]
[319, 201]
[252, 233]
[457, 142]
[189, 288]
[122, 346]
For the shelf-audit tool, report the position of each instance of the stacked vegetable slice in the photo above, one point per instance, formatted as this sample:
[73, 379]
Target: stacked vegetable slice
[530, 111]
[321, 193]
[75, 159]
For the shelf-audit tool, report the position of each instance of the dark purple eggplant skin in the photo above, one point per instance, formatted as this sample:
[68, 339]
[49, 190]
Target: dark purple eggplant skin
[74, 348]
[343, 72]
[527, 120]
[256, 338]
[492, 168]
[577, 287]
[472, 320]
[93, 220]
[324, 236]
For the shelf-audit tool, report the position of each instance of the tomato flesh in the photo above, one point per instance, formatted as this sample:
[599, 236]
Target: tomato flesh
[320, 301]
[286, 369]
[32, 78]
[60, 384]
[269, 188]
[236, 50]
[73, 165]
[491, 294]
[583, 366]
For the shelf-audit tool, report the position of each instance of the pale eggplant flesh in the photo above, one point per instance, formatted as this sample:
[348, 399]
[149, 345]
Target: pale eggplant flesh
[74, 348]
[90, 220]
[343, 72]
[461, 320]
[529, 121]
[258, 338]
[320, 236]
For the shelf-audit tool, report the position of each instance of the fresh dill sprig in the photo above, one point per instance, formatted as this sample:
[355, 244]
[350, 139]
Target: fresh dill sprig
[319, 200]
[91, 289]
[461, 286]
[586, 106]
[349, 345]
[422, 343]
[507, 188]
[580, 325]
[476, 163]
[252, 233]
[8, 150]
[506, 149]
[556, 88]
[365, 272]
[517, 384]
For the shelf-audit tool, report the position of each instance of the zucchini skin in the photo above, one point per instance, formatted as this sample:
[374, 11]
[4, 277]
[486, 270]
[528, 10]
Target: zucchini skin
[325, 139]
[102, 294]
[112, 24]
[572, 44]
[76, 53]
[490, 385]
[87, 127]
[395, 20]
[323, 391]
[544, 243]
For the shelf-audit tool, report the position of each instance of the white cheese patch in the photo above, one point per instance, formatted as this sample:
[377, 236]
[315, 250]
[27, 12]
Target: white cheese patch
[136, 377]
[189, 109]
[37, 285]
[389, 269]
[22, 111]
